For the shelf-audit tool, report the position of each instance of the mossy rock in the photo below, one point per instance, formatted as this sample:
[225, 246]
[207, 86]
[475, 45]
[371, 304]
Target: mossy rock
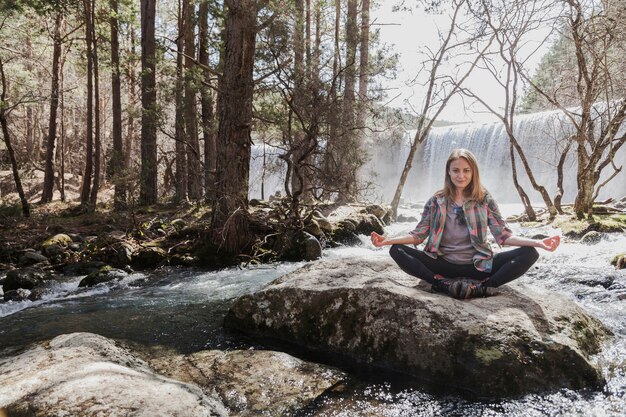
[60, 239]
[56, 245]
[210, 255]
[104, 274]
[27, 278]
[619, 261]
[149, 258]
[118, 254]
[591, 238]
[298, 246]
[575, 228]
[370, 223]
[314, 228]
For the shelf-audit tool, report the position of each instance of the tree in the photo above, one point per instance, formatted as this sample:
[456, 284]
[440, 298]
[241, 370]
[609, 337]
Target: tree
[88, 171]
[148, 181]
[208, 116]
[364, 62]
[4, 107]
[230, 216]
[48, 182]
[440, 88]
[598, 43]
[510, 25]
[117, 158]
[179, 122]
[93, 197]
[194, 181]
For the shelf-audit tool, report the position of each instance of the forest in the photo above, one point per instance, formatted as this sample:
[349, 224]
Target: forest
[119, 105]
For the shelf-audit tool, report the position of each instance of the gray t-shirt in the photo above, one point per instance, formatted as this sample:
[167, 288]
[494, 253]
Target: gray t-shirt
[455, 241]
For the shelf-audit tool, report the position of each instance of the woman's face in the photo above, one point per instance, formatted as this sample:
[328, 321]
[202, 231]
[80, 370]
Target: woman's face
[460, 173]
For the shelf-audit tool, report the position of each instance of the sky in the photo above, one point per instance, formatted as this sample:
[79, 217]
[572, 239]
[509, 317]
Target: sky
[407, 33]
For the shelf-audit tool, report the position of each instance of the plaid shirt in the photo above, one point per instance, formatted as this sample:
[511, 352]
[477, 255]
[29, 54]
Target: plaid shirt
[478, 216]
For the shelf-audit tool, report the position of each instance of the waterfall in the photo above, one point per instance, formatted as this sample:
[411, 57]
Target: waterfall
[541, 136]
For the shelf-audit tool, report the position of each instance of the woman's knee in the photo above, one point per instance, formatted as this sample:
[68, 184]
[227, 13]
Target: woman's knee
[530, 253]
[395, 250]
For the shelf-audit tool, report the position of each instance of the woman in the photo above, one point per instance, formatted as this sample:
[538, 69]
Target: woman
[455, 221]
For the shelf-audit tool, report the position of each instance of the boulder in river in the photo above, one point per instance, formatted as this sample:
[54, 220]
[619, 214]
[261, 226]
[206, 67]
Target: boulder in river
[368, 312]
[252, 382]
[27, 278]
[83, 374]
[149, 257]
[104, 274]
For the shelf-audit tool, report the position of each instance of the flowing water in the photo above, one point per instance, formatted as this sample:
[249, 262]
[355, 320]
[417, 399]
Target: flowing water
[184, 309]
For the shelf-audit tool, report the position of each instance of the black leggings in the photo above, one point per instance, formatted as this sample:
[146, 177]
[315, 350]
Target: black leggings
[506, 267]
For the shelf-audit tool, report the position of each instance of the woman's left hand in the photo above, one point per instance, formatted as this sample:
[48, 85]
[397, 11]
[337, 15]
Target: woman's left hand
[551, 243]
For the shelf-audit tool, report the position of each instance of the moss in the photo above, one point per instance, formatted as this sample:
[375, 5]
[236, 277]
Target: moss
[600, 223]
[486, 355]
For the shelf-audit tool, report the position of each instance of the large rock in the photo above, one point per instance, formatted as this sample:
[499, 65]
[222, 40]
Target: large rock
[55, 245]
[27, 278]
[252, 382]
[83, 374]
[366, 311]
[104, 274]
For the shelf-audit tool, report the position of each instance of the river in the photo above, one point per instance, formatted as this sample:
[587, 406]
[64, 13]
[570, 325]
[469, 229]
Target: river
[184, 309]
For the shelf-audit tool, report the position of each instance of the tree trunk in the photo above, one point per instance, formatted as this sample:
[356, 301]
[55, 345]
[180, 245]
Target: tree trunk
[131, 75]
[191, 123]
[364, 63]
[208, 116]
[88, 172]
[334, 119]
[559, 179]
[528, 208]
[230, 213]
[7, 141]
[179, 123]
[299, 183]
[117, 157]
[62, 134]
[30, 132]
[148, 181]
[349, 147]
[48, 179]
[93, 197]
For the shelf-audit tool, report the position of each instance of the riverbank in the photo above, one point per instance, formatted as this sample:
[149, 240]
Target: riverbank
[183, 308]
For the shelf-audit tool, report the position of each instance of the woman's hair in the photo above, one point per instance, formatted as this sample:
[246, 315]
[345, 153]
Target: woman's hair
[474, 190]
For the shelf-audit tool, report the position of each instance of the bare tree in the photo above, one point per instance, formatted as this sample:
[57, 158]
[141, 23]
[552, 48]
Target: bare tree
[510, 24]
[440, 88]
[595, 32]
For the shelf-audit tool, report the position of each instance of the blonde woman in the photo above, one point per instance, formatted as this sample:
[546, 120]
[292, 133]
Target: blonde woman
[455, 223]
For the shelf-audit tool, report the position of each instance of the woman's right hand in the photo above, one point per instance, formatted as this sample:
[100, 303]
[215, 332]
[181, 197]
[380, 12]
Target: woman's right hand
[378, 240]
